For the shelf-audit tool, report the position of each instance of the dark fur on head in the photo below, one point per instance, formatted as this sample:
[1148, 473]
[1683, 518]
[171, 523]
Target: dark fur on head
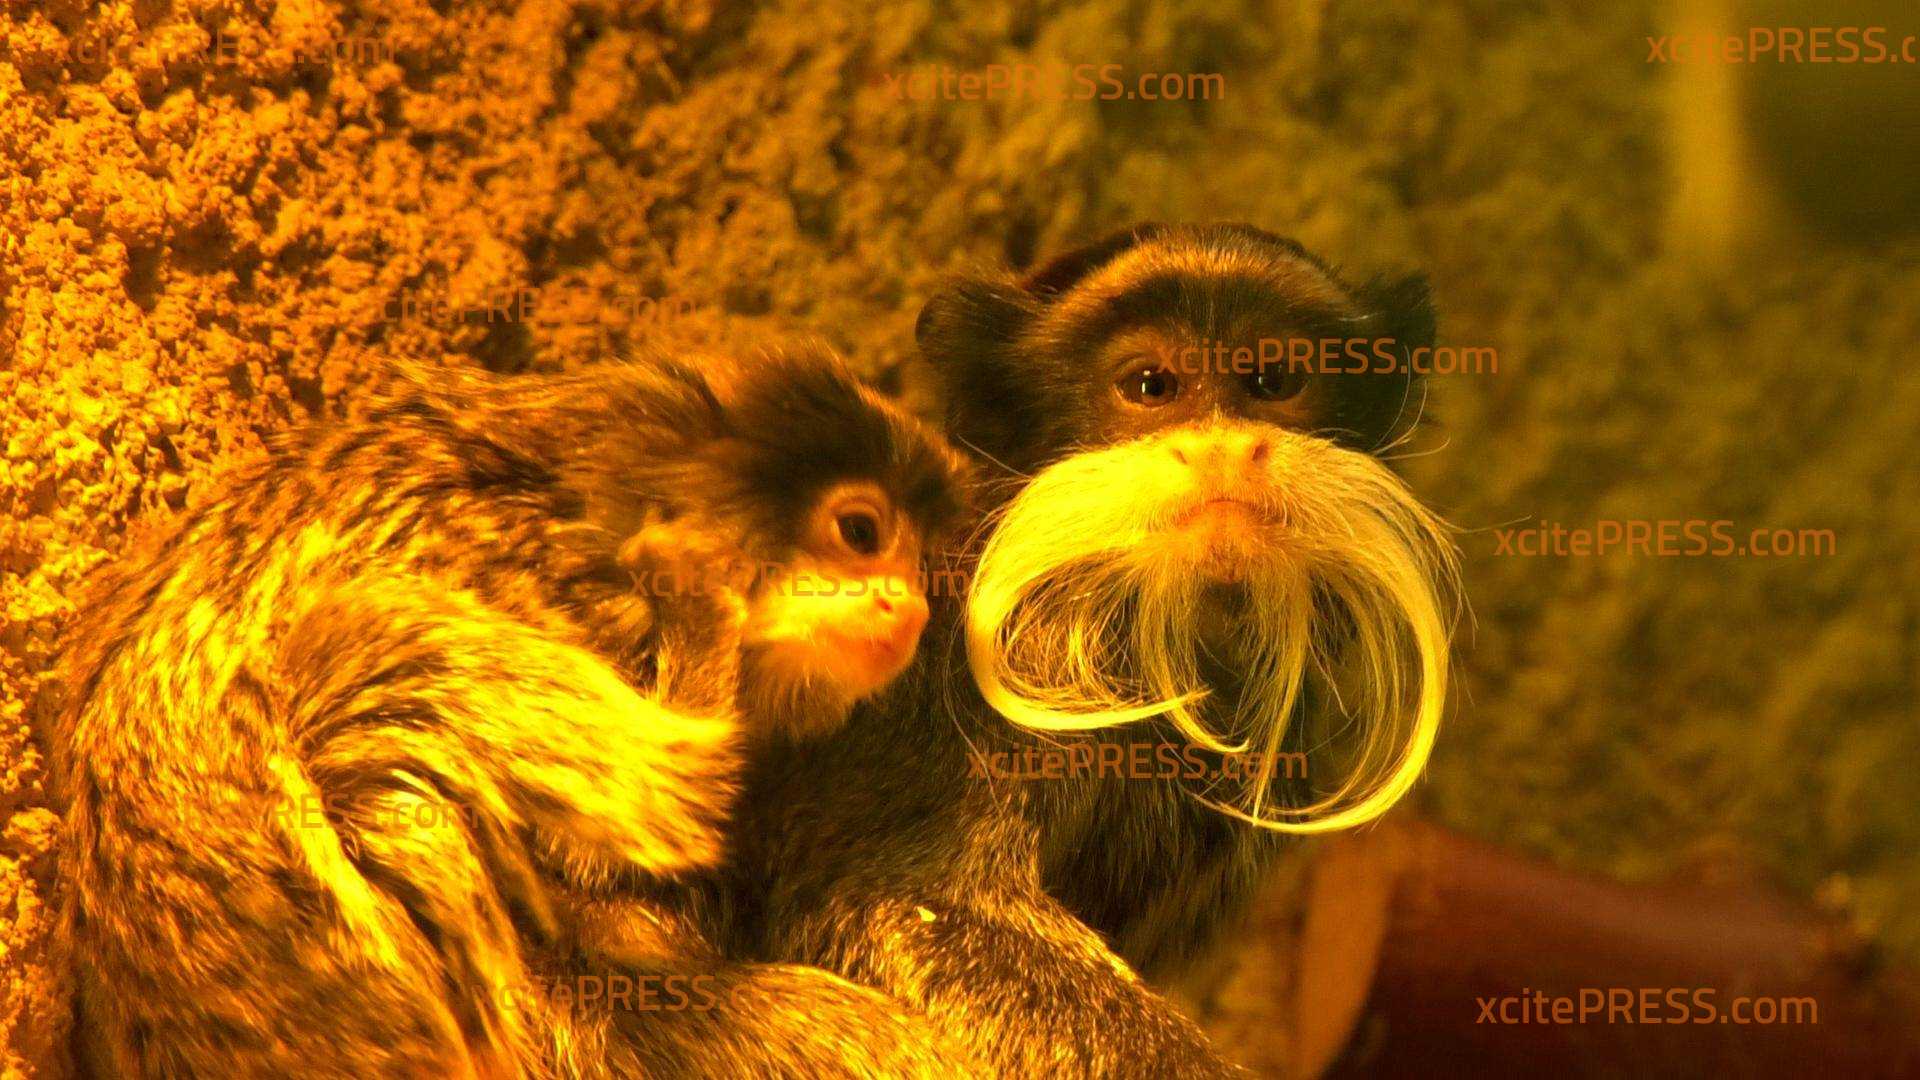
[758, 440]
[977, 333]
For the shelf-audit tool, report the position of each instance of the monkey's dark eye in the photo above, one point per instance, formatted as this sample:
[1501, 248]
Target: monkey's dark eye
[860, 531]
[1275, 383]
[1150, 386]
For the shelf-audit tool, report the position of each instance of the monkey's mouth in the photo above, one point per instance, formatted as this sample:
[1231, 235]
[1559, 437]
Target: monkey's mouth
[1228, 522]
[869, 647]
[863, 663]
[1223, 537]
[1227, 508]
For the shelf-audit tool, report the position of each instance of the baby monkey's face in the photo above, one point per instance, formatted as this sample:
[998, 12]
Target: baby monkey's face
[840, 618]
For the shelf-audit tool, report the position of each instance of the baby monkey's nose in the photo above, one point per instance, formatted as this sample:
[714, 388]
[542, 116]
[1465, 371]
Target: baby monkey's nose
[899, 613]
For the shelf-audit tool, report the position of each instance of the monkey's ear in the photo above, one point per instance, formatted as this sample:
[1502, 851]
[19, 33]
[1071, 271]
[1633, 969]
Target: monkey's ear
[1404, 308]
[971, 313]
[969, 333]
[1380, 409]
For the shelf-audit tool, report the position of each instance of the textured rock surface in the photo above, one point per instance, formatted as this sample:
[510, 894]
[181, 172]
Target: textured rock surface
[204, 239]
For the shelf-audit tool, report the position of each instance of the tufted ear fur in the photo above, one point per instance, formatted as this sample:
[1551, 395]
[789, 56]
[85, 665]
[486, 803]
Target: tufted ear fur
[1400, 308]
[1405, 308]
[968, 333]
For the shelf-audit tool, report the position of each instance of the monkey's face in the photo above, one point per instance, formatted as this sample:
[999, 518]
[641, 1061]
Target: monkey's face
[832, 493]
[1195, 526]
[842, 617]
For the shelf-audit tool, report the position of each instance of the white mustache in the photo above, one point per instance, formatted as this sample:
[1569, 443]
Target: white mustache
[1084, 615]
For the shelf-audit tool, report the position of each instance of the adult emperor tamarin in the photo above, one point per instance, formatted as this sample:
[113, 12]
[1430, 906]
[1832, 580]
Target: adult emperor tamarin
[1210, 553]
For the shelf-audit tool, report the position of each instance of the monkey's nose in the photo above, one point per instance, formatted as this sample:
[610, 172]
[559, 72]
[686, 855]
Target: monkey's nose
[899, 619]
[1223, 451]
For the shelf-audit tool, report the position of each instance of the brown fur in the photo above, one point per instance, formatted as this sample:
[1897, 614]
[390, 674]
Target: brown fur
[385, 734]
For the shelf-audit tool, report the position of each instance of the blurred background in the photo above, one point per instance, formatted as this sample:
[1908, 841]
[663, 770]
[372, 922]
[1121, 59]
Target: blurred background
[1699, 275]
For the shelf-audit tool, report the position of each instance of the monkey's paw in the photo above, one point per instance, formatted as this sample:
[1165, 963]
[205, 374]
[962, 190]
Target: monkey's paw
[687, 563]
[697, 576]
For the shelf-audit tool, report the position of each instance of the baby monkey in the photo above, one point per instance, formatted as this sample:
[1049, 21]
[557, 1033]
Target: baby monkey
[428, 712]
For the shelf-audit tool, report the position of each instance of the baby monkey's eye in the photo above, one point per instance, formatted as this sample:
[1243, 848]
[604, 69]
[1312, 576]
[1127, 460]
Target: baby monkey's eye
[853, 521]
[860, 531]
[1149, 386]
